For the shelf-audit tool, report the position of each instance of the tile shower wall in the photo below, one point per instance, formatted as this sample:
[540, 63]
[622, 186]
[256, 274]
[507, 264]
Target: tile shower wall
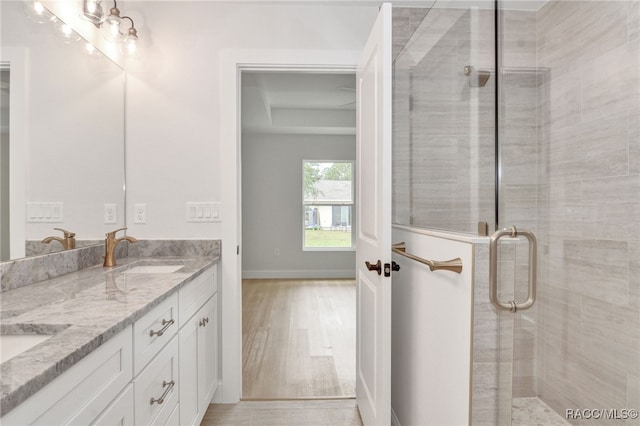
[588, 205]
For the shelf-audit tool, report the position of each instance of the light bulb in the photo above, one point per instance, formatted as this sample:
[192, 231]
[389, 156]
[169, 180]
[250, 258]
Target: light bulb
[131, 41]
[113, 29]
[38, 8]
[36, 11]
[132, 45]
[90, 48]
[112, 24]
[92, 11]
[66, 33]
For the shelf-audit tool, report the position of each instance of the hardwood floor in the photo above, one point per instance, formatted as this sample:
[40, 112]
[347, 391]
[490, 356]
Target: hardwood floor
[298, 339]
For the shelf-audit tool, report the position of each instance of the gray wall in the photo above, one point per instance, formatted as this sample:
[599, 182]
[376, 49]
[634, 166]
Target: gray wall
[272, 206]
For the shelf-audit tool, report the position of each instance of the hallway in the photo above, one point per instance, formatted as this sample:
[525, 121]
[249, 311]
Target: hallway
[298, 339]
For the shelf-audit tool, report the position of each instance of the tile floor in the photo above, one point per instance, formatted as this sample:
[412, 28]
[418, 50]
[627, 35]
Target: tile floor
[534, 412]
[330, 412]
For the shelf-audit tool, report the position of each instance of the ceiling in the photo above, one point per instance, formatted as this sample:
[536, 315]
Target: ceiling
[278, 102]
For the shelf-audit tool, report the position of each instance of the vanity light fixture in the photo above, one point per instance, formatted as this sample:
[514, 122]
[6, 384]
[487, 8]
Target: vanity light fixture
[131, 40]
[92, 11]
[112, 23]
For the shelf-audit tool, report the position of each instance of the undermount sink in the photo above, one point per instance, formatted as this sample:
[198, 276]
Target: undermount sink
[12, 345]
[153, 269]
[18, 338]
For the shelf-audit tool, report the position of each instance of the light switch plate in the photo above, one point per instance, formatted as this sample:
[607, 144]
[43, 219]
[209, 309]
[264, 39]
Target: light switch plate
[45, 212]
[203, 212]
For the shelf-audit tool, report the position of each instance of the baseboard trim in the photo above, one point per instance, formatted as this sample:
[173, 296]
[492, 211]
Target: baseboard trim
[302, 274]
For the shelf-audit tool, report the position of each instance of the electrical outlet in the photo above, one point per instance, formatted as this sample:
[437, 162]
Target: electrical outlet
[140, 213]
[110, 215]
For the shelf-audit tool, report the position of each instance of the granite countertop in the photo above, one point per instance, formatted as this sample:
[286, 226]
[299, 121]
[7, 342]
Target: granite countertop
[83, 309]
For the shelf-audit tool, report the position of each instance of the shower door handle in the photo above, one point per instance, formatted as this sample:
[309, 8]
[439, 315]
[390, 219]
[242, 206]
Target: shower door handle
[512, 305]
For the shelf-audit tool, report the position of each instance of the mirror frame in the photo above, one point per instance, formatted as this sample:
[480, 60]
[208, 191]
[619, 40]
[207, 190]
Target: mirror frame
[14, 58]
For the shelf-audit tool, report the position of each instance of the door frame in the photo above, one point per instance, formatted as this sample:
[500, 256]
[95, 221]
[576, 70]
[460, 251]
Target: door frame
[233, 62]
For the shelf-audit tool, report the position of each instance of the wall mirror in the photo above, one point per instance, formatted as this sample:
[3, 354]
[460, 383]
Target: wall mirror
[62, 156]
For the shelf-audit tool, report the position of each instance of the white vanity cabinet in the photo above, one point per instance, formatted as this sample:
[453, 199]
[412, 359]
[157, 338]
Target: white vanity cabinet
[161, 370]
[198, 346]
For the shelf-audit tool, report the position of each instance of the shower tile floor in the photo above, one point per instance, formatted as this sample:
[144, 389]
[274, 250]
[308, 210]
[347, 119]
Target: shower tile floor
[534, 412]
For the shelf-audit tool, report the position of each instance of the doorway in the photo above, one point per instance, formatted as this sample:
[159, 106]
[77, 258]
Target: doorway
[298, 299]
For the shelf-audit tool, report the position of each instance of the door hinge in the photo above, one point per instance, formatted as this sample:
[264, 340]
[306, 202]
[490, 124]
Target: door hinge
[238, 250]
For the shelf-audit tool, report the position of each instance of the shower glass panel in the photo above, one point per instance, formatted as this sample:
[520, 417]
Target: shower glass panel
[444, 116]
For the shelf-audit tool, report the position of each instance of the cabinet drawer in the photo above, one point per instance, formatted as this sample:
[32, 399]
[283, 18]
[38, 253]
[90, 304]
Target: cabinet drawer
[156, 388]
[153, 331]
[193, 295]
[81, 393]
[120, 412]
[174, 418]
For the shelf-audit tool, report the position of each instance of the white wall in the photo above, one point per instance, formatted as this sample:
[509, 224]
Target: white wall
[173, 114]
[272, 206]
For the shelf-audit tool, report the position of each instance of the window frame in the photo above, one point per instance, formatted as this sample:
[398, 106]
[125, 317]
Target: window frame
[306, 204]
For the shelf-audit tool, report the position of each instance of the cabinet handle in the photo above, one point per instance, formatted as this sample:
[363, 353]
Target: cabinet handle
[206, 320]
[168, 386]
[160, 332]
[202, 323]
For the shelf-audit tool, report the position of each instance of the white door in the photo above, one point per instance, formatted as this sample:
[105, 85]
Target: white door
[373, 349]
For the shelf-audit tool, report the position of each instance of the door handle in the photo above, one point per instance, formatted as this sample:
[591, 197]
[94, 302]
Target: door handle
[512, 305]
[374, 267]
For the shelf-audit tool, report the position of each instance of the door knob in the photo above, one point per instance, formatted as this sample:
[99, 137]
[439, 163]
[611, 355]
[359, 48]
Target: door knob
[374, 267]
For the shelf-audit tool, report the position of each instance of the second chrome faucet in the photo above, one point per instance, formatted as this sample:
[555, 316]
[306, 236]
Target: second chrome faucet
[110, 244]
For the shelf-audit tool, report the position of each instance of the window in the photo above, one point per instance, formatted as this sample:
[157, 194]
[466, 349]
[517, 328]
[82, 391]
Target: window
[327, 205]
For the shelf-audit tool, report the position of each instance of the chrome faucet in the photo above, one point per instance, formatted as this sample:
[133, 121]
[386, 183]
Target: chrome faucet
[68, 242]
[110, 244]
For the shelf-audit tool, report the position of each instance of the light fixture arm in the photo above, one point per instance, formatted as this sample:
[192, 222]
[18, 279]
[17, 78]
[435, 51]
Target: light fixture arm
[133, 25]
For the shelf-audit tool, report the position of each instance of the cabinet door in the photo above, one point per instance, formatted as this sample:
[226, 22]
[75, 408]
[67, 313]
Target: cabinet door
[208, 354]
[189, 335]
